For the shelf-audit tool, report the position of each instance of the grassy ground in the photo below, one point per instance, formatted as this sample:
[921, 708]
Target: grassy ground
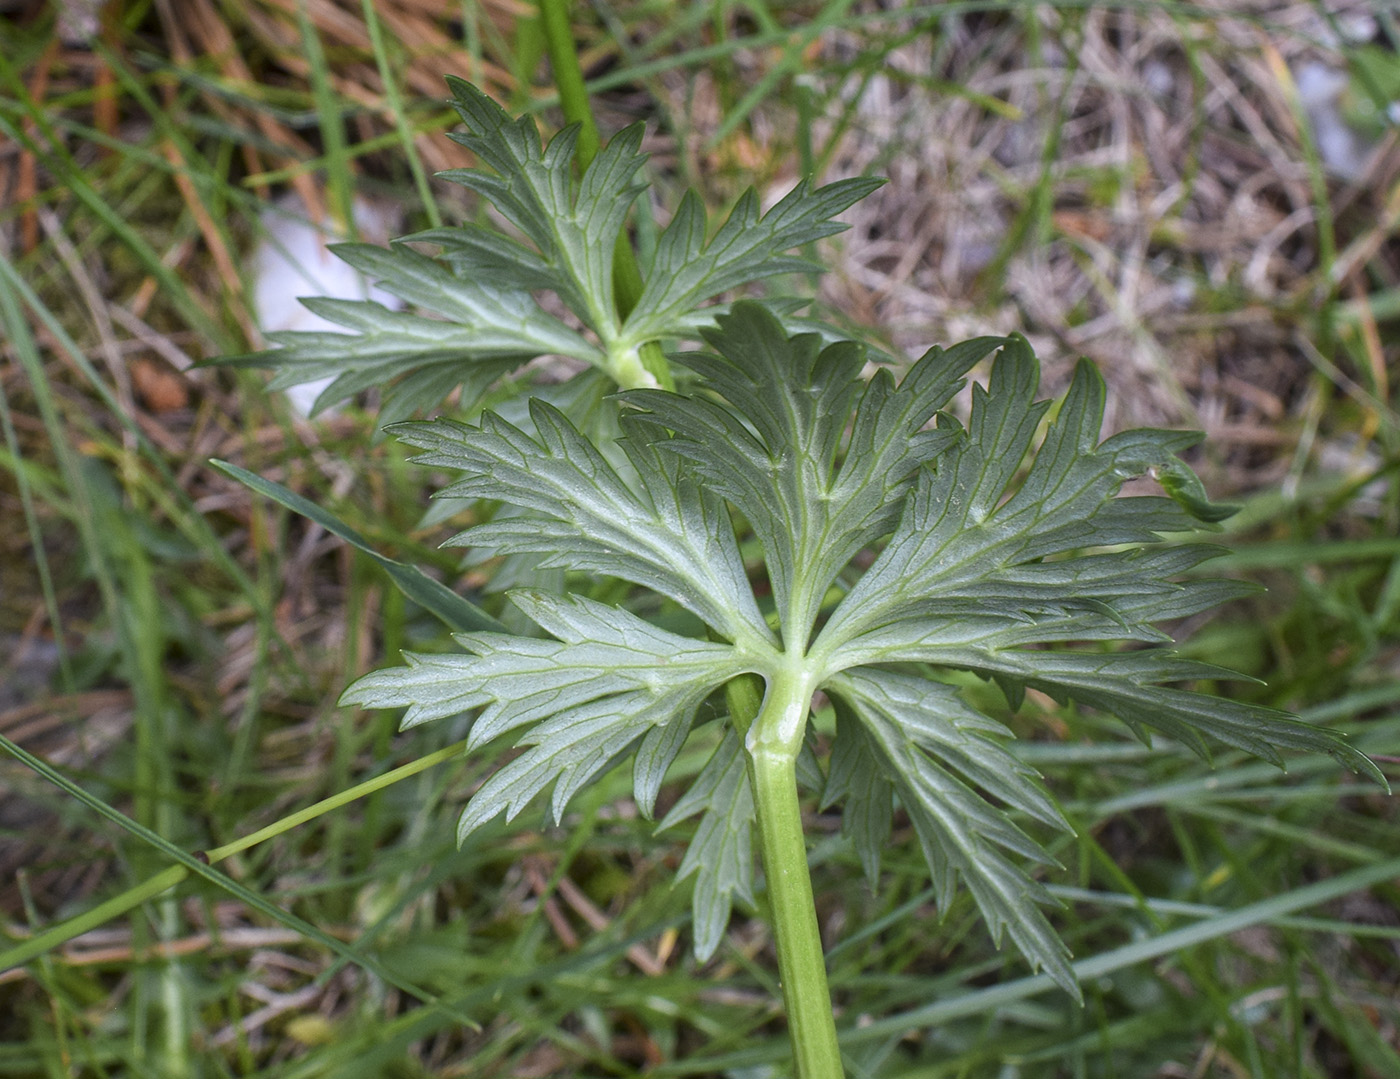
[1141, 185]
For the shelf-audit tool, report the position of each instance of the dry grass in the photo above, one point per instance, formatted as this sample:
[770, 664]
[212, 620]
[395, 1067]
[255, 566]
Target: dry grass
[1179, 178]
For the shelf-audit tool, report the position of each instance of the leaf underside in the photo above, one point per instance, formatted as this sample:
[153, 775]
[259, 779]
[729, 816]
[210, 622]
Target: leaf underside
[983, 553]
[473, 315]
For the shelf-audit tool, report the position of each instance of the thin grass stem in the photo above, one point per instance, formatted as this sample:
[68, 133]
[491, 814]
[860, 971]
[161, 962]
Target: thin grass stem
[169, 877]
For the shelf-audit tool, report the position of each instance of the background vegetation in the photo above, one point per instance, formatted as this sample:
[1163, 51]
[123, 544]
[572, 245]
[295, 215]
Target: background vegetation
[1158, 186]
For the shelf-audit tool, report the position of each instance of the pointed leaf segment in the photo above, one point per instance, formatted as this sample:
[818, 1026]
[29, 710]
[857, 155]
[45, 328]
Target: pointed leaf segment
[984, 554]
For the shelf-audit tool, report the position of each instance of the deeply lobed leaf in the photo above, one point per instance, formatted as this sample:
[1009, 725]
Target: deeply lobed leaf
[573, 234]
[775, 453]
[936, 754]
[720, 855]
[475, 313]
[686, 271]
[969, 569]
[607, 683]
[667, 534]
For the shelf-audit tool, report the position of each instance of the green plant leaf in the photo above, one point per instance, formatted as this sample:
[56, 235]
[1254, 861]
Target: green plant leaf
[608, 682]
[774, 452]
[967, 567]
[720, 854]
[485, 332]
[1185, 487]
[573, 235]
[664, 532]
[971, 553]
[686, 271]
[943, 760]
[857, 780]
[474, 316]
[472, 249]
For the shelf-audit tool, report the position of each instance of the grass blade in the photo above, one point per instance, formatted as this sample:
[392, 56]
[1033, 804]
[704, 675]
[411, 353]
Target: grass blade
[460, 615]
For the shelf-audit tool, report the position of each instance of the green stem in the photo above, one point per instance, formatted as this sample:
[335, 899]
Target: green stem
[773, 742]
[568, 78]
[394, 101]
[743, 696]
[45, 941]
[573, 97]
[133, 897]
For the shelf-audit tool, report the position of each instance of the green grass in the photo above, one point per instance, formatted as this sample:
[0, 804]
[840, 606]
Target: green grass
[192, 637]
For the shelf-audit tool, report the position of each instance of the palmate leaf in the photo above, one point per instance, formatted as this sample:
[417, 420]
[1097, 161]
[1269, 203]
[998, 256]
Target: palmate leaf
[473, 312]
[775, 456]
[942, 759]
[477, 332]
[573, 234]
[969, 568]
[482, 320]
[664, 532]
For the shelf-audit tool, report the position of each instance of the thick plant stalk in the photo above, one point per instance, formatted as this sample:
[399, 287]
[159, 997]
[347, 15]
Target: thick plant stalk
[773, 743]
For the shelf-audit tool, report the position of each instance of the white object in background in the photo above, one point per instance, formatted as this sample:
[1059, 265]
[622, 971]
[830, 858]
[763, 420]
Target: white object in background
[1346, 153]
[292, 260]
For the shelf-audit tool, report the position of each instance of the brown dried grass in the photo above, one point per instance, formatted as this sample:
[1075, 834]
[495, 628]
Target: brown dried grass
[1178, 242]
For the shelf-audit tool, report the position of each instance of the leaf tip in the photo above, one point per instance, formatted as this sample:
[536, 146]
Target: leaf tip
[1185, 488]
